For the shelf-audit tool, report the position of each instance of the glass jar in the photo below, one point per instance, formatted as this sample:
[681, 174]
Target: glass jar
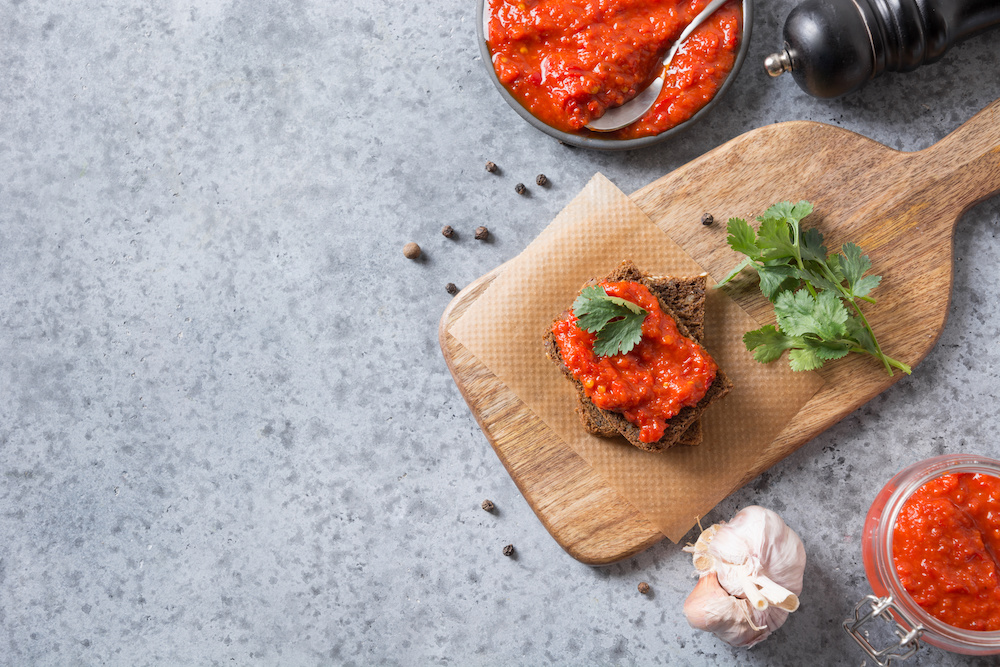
[891, 602]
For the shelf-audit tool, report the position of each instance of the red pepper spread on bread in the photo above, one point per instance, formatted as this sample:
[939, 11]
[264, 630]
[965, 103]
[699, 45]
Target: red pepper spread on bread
[664, 373]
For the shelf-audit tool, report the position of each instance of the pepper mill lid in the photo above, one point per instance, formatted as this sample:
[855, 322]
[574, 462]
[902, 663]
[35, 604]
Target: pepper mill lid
[828, 48]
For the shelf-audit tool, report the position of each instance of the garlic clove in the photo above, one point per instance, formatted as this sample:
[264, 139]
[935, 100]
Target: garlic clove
[703, 559]
[734, 543]
[710, 608]
[748, 588]
[784, 554]
[702, 605]
[776, 594]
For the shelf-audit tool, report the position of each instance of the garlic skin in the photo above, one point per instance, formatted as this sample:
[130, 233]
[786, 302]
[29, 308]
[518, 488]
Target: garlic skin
[710, 608]
[750, 576]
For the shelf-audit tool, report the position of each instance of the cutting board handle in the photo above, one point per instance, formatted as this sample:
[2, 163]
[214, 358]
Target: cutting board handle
[964, 167]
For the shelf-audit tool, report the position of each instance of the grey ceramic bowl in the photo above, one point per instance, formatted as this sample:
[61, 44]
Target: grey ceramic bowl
[614, 144]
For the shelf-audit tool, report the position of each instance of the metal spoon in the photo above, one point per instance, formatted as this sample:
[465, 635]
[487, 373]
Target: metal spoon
[636, 108]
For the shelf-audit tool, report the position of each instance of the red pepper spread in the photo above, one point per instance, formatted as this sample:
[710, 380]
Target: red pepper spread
[567, 61]
[662, 374]
[945, 547]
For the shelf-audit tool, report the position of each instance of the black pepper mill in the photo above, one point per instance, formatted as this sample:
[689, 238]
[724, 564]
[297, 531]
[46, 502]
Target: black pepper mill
[833, 47]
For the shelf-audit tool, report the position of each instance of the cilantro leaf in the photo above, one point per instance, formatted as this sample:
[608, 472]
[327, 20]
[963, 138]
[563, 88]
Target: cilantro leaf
[804, 359]
[801, 313]
[767, 343]
[742, 238]
[619, 336]
[853, 263]
[807, 353]
[594, 308]
[801, 210]
[789, 212]
[780, 212]
[779, 230]
[866, 285]
[775, 276]
[775, 238]
[833, 263]
[811, 245]
[828, 350]
[616, 321]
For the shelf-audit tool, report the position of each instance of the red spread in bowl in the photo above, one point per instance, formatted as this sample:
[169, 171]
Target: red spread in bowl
[651, 383]
[945, 548]
[567, 61]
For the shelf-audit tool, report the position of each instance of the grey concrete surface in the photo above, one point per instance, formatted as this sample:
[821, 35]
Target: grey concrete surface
[227, 434]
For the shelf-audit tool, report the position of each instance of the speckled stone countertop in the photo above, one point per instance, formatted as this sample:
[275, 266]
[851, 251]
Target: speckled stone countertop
[228, 435]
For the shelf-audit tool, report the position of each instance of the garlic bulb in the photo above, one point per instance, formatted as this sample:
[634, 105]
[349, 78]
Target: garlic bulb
[750, 576]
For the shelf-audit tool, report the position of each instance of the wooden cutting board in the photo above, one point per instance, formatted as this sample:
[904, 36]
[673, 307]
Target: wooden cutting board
[901, 208]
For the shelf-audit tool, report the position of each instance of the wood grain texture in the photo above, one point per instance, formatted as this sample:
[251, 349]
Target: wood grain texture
[901, 208]
[591, 521]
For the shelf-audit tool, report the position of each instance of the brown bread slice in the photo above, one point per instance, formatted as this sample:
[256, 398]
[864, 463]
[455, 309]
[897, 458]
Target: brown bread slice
[686, 298]
[688, 305]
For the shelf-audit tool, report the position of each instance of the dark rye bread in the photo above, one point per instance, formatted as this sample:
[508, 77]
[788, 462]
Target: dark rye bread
[683, 299]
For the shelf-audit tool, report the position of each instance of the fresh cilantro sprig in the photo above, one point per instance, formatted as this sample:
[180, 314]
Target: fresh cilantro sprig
[814, 293]
[617, 322]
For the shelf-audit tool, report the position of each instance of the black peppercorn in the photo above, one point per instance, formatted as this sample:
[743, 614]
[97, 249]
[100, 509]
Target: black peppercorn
[541, 180]
[520, 189]
[508, 550]
[490, 167]
[451, 288]
[482, 233]
[488, 505]
[643, 587]
[707, 219]
[447, 232]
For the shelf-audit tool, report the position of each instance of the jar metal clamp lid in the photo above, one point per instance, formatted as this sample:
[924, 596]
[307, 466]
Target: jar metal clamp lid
[883, 609]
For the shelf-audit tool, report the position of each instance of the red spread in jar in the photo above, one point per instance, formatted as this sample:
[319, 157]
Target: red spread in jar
[567, 61]
[651, 383]
[945, 547]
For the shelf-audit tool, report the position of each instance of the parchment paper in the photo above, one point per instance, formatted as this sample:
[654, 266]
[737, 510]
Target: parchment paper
[504, 327]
